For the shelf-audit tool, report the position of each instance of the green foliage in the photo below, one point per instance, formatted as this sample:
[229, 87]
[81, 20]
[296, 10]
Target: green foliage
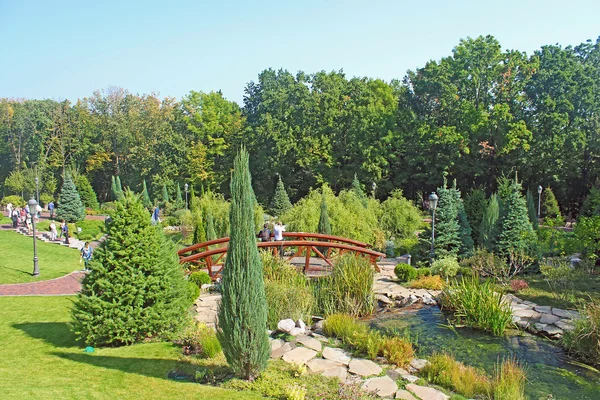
[200, 278]
[475, 205]
[560, 278]
[16, 201]
[531, 212]
[434, 282]
[210, 227]
[348, 290]
[281, 202]
[86, 192]
[515, 230]
[243, 307]
[509, 381]
[398, 351]
[487, 264]
[145, 196]
[405, 272]
[136, 290]
[324, 225]
[343, 327]
[591, 204]
[477, 305]
[400, 218]
[45, 199]
[584, 340]
[423, 272]
[447, 267]
[198, 338]
[445, 371]
[550, 208]
[358, 191]
[447, 228]
[165, 195]
[489, 223]
[90, 229]
[179, 202]
[587, 237]
[193, 292]
[70, 207]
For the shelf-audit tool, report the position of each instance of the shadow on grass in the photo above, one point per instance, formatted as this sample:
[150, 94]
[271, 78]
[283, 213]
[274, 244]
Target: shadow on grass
[57, 334]
[17, 270]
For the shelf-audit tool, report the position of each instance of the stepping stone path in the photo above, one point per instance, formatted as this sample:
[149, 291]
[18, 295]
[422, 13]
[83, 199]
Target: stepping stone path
[300, 355]
[390, 294]
[382, 387]
[426, 393]
[542, 320]
[363, 367]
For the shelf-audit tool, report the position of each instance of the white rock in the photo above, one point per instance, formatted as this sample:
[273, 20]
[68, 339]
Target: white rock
[300, 324]
[338, 355]
[286, 325]
[275, 344]
[363, 367]
[383, 387]
[426, 393]
[299, 355]
[297, 331]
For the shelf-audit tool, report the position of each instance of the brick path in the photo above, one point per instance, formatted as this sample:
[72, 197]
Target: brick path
[66, 285]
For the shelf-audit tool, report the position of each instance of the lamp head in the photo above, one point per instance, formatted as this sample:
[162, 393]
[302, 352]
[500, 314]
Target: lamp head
[540, 189]
[32, 203]
[433, 199]
[186, 187]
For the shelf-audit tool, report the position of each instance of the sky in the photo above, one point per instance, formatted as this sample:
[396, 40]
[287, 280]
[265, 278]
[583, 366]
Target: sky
[69, 49]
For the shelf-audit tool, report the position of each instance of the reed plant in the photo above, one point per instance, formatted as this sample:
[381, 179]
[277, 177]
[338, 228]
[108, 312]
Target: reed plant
[584, 340]
[397, 350]
[348, 290]
[509, 382]
[445, 371]
[477, 305]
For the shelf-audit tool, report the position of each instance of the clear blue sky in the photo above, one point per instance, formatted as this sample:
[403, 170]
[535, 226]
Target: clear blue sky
[68, 49]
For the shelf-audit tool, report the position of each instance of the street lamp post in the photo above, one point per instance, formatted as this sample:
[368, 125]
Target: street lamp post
[33, 205]
[186, 192]
[374, 187]
[433, 199]
[37, 193]
[539, 199]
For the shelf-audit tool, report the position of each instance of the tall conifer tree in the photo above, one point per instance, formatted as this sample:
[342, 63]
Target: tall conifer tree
[165, 194]
[358, 190]
[120, 188]
[86, 192]
[515, 228]
[242, 328]
[447, 229]
[145, 196]
[178, 199]
[281, 202]
[531, 210]
[489, 223]
[70, 208]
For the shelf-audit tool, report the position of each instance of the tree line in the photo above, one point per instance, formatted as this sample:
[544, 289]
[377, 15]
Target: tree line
[474, 116]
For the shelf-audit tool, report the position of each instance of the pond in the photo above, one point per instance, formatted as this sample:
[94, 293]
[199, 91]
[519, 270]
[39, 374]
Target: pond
[551, 374]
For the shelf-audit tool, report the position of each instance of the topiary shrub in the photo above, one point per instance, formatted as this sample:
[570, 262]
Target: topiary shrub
[200, 278]
[136, 288]
[447, 267]
[405, 272]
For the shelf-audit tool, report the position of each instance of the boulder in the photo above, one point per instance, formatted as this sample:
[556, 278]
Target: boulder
[275, 344]
[299, 355]
[426, 393]
[337, 355]
[286, 325]
[363, 367]
[383, 387]
[300, 324]
[297, 331]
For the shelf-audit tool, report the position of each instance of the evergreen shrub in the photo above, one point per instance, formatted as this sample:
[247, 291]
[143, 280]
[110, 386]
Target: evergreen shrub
[86, 192]
[200, 278]
[136, 288]
[591, 204]
[550, 208]
[425, 271]
[90, 229]
[447, 267]
[193, 292]
[475, 205]
[515, 229]
[16, 201]
[70, 208]
[405, 272]
[281, 202]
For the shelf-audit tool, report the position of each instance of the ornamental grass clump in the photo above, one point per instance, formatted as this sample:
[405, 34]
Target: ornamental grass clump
[348, 290]
[584, 340]
[434, 282]
[509, 382]
[397, 350]
[445, 371]
[477, 305]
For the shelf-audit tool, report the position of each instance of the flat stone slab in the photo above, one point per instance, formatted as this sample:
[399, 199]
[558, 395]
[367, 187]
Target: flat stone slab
[565, 313]
[410, 378]
[383, 387]
[543, 309]
[548, 319]
[282, 350]
[552, 330]
[426, 393]
[275, 344]
[317, 365]
[418, 363]
[527, 313]
[405, 395]
[396, 373]
[364, 367]
[565, 326]
[338, 355]
[310, 342]
[338, 372]
[299, 355]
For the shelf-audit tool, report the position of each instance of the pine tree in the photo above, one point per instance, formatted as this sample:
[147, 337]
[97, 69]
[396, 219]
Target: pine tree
[447, 229]
[489, 222]
[165, 195]
[146, 202]
[475, 205]
[324, 225]
[199, 233]
[86, 192]
[70, 208]
[178, 200]
[358, 190]
[464, 227]
[281, 202]
[136, 289]
[591, 204]
[120, 188]
[550, 208]
[242, 311]
[531, 210]
[113, 188]
[514, 226]
[210, 227]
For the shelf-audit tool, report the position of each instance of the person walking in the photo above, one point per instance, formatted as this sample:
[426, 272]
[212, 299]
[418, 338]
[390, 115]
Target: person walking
[65, 231]
[28, 223]
[51, 209]
[156, 215]
[9, 208]
[264, 234]
[22, 215]
[86, 255]
[52, 231]
[278, 230]
[15, 218]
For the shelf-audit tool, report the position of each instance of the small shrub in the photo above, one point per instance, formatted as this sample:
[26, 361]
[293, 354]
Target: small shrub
[194, 292]
[509, 382]
[287, 301]
[518, 284]
[16, 201]
[584, 340]
[200, 278]
[477, 305]
[447, 267]
[343, 327]
[369, 343]
[405, 272]
[560, 278]
[398, 351]
[90, 229]
[434, 282]
[487, 264]
[425, 271]
[445, 371]
[201, 340]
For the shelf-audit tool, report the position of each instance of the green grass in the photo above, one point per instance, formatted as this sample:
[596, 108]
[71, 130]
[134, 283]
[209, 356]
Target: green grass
[16, 259]
[5, 220]
[39, 359]
[585, 287]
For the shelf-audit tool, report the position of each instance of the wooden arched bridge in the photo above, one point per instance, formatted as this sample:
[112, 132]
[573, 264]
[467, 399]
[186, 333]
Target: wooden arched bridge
[315, 252]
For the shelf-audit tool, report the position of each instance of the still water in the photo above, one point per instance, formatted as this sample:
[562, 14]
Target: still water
[551, 374]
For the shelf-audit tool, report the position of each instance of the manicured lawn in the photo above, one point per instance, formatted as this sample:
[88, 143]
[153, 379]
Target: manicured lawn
[585, 287]
[39, 359]
[16, 259]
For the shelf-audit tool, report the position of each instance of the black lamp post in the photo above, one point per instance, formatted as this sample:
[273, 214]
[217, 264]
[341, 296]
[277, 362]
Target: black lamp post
[186, 191]
[37, 194]
[539, 199]
[374, 187]
[33, 206]
[433, 199]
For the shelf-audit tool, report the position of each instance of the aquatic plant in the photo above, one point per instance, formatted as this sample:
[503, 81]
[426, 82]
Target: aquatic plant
[509, 381]
[477, 305]
[445, 371]
[584, 340]
[397, 350]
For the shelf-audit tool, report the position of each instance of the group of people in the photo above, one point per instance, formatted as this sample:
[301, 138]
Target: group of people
[277, 235]
[23, 216]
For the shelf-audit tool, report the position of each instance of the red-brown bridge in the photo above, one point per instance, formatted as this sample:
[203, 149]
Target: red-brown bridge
[308, 248]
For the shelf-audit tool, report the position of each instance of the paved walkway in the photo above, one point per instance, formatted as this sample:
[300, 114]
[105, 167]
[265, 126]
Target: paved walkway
[65, 285]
